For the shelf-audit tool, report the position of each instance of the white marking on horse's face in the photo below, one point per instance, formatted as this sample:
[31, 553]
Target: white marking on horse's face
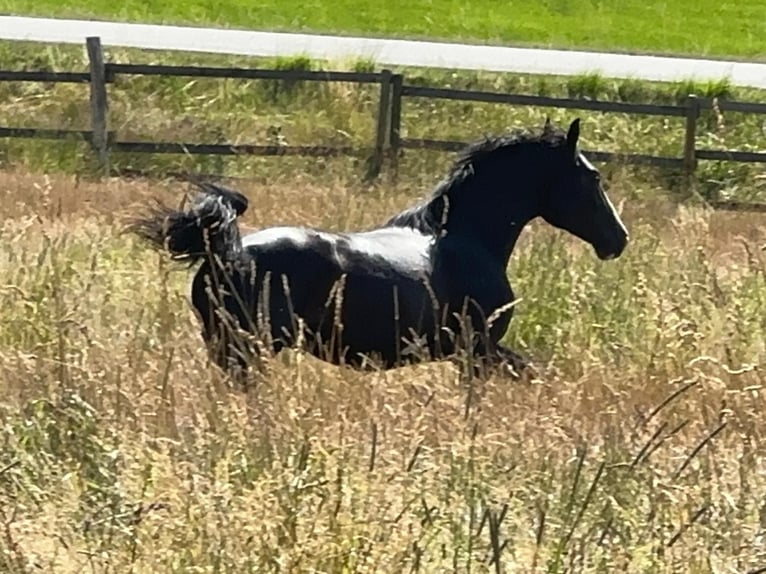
[589, 166]
[584, 160]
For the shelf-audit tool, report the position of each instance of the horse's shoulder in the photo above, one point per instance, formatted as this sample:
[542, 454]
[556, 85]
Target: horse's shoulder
[454, 245]
[467, 261]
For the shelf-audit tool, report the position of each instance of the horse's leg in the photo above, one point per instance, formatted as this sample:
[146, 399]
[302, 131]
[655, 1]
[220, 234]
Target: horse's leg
[232, 345]
[491, 356]
[488, 355]
[500, 359]
[233, 350]
[512, 363]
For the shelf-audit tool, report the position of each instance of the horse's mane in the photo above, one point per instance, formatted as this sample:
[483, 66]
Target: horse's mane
[427, 215]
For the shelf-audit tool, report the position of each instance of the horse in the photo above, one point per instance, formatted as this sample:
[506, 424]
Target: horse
[428, 282]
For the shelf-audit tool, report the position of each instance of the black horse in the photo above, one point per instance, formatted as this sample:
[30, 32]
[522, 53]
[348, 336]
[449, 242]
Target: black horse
[430, 281]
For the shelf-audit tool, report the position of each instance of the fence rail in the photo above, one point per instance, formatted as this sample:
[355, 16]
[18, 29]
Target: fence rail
[242, 73]
[542, 101]
[388, 134]
[733, 106]
[595, 155]
[731, 155]
[45, 134]
[231, 149]
[44, 76]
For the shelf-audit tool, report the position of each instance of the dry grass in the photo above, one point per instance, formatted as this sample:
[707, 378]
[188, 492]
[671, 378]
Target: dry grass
[642, 449]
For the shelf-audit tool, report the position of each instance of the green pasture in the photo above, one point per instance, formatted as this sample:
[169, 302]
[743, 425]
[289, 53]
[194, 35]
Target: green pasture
[703, 28]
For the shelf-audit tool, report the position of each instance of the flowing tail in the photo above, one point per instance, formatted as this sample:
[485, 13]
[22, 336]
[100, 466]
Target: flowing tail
[207, 227]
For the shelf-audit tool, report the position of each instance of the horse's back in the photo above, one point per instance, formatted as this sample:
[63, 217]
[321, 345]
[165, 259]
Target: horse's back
[397, 250]
[374, 265]
[283, 239]
[386, 251]
[382, 273]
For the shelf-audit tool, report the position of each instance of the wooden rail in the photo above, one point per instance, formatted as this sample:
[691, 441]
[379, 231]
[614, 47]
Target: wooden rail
[231, 149]
[243, 73]
[542, 101]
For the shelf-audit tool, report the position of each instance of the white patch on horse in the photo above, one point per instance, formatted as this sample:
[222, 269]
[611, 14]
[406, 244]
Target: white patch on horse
[413, 251]
[589, 166]
[296, 235]
[584, 160]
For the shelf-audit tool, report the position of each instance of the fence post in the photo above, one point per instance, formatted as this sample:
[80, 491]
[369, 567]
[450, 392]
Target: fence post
[395, 124]
[382, 131]
[690, 140]
[98, 103]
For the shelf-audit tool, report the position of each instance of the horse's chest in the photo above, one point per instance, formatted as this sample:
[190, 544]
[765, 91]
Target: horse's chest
[460, 271]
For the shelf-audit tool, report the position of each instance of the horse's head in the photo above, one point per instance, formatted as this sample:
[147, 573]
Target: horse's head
[576, 201]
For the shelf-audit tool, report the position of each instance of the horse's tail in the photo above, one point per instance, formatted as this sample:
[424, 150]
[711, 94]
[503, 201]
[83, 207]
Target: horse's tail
[208, 226]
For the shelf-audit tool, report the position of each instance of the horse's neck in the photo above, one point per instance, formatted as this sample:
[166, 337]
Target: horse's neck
[498, 229]
[466, 207]
[498, 240]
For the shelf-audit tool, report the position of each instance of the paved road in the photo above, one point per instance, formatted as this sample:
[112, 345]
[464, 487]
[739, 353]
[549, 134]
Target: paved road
[382, 51]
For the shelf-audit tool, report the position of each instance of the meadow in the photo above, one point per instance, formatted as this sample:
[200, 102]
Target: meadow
[639, 447]
[705, 28]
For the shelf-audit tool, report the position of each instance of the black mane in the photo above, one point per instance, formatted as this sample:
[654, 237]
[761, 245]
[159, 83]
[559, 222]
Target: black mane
[427, 216]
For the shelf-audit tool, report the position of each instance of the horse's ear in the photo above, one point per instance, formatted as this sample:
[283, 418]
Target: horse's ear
[548, 127]
[573, 135]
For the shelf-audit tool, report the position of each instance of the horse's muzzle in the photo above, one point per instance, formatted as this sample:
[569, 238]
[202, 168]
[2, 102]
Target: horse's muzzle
[612, 249]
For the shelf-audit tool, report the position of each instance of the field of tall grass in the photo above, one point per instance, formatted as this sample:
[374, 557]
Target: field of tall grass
[640, 447]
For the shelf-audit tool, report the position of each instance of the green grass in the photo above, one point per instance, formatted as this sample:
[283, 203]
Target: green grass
[703, 28]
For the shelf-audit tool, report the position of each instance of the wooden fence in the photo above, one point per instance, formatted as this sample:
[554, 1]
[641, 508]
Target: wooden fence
[388, 140]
